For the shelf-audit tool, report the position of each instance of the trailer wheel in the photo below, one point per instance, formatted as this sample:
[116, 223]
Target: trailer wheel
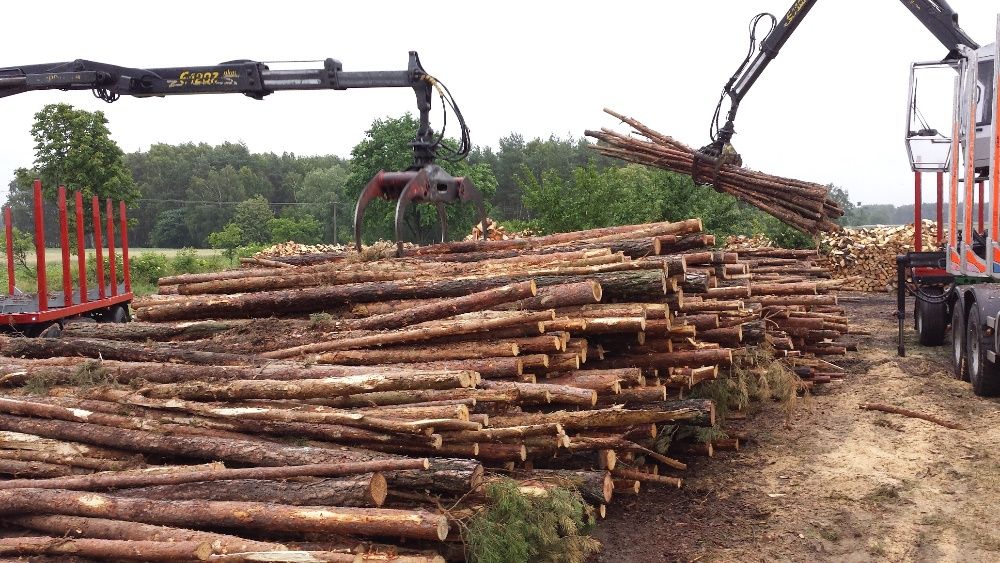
[960, 369]
[931, 322]
[118, 314]
[983, 374]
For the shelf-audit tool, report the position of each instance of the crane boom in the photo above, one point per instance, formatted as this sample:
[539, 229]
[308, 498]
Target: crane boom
[936, 15]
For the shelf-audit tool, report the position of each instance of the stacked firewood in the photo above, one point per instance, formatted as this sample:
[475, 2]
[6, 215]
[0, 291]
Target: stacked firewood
[804, 205]
[556, 360]
[866, 256]
[495, 231]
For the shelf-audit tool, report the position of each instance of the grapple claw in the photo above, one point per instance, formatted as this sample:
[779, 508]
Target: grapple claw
[428, 184]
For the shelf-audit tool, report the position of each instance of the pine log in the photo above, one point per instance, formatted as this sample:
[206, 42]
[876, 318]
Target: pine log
[246, 515]
[85, 462]
[37, 469]
[78, 526]
[415, 354]
[505, 434]
[237, 451]
[308, 388]
[426, 331]
[600, 380]
[466, 304]
[721, 356]
[115, 350]
[142, 332]
[417, 396]
[596, 487]
[694, 412]
[357, 491]
[445, 475]
[637, 396]
[648, 477]
[562, 295]
[107, 549]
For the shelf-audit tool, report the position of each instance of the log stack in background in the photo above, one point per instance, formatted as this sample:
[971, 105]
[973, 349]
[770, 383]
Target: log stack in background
[553, 359]
[867, 255]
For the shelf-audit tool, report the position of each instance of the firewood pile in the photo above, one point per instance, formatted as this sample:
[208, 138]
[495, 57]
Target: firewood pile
[495, 231]
[345, 410]
[804, 205]
[866, 256]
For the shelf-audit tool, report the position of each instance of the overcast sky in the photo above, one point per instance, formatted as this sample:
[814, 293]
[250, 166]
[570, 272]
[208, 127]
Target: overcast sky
[830, 108]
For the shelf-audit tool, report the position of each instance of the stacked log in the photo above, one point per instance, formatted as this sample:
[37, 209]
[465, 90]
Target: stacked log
[558, 358]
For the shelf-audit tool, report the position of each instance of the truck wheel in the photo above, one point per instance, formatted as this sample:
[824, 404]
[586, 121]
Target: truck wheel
[960, 369]
[931, 322]
[983, 374]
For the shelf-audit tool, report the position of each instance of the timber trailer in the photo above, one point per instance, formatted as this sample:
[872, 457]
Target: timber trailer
[955, 289]
[43, 313]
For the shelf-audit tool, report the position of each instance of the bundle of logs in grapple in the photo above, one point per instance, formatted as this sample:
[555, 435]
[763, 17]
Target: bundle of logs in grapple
[804, 205]
[324, 412]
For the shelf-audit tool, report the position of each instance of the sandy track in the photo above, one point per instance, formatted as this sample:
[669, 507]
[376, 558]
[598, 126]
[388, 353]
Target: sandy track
[835, 483]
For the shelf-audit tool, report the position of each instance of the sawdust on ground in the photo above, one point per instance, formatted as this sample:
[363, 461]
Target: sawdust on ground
[831, 482]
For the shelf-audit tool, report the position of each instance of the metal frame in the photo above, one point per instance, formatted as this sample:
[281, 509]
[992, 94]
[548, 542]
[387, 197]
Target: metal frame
[68, 308]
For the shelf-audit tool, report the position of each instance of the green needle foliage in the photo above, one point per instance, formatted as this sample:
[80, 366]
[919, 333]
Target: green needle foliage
[516, 527]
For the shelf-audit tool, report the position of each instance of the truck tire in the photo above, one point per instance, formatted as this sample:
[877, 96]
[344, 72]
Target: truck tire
[959, 366]
[931, 322]
[983, 374]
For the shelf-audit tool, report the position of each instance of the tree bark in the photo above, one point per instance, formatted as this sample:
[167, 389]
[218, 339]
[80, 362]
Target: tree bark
[693, 412]
[142, 332]
[115, 350]
[367, 490]
[308, 388]
[414, 354]
[108, 549]
[596, 487]
[473, 302]
[693, 358]
[417, 524]
[78, 526]
[418, 333]
[446, 475]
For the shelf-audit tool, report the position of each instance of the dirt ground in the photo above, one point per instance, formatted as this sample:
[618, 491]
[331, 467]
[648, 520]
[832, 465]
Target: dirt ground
[833, 482]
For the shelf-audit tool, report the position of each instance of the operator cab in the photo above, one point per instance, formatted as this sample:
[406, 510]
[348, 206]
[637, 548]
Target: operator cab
[935, 94]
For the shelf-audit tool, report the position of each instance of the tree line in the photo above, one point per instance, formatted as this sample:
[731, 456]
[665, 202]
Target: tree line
[197, 195]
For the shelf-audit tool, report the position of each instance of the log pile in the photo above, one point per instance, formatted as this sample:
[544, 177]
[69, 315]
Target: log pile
[867, 256]
[341, 402]
[804, 205]
[495, 231]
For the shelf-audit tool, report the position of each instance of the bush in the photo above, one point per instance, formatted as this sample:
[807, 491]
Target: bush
[148, 267]
[185, 262]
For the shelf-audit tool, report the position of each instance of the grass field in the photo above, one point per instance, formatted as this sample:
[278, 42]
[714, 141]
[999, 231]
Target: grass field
[54, 255]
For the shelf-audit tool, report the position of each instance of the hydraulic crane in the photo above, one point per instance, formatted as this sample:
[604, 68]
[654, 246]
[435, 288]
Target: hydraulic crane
[954, 288]
[423, 181]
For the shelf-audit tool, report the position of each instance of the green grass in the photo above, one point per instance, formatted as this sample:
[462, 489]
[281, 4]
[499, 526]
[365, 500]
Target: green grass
[147, 265]
[54, 255]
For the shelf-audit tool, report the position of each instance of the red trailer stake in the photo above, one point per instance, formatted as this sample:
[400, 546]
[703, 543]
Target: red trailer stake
[9, 228]
[81, 249]
[43, 290]
[98, 247]
[64, 245]
[111, 248]
[123, 229]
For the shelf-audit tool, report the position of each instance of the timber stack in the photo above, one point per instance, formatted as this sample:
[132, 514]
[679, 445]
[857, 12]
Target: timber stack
[804, 205]
[866, 256]
[558, 360]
